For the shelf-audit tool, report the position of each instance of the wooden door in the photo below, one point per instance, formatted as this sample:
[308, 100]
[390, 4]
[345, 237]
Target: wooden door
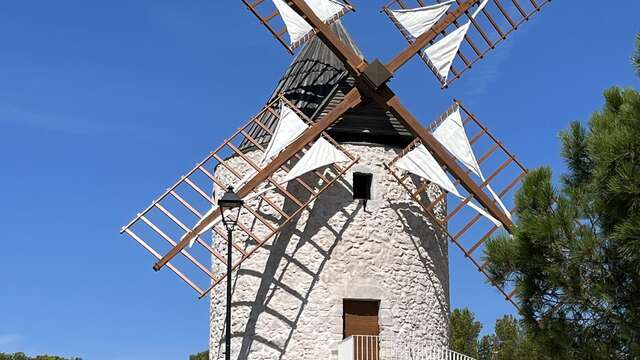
[360, 320]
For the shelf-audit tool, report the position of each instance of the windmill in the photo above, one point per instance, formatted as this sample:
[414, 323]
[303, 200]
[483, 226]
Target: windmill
[349, 201]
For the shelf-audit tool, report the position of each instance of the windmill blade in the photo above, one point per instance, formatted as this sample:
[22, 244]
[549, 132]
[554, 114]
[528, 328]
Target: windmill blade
[374, 90]
[321, 154]
[420, 162]
[452, 135]
[481, 30]
[444, 158]
[387, 99]
[269, 206]
[289, 28]
[467, 228]
[418, 21]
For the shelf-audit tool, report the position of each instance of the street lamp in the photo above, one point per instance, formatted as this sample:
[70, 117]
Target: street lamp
[230, 206]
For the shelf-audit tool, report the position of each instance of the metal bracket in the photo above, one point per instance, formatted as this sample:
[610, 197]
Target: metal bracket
[376, 74]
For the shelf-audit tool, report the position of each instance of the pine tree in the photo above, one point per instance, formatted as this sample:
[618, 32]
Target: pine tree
[485, 347]
[575, 252]
[507, 338]
[22, 356]
[463, 332]
[200, 356]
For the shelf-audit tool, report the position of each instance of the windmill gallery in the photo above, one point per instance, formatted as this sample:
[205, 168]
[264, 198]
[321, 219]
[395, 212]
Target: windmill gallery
[347, 203]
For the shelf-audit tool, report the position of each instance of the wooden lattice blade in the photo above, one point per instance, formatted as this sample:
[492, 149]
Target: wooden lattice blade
[387, 99]
[492, 25]
[269, 206]
[267, 13]
[465, 227]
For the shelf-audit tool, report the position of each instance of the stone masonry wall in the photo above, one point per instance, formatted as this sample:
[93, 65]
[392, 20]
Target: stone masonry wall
[287, 298]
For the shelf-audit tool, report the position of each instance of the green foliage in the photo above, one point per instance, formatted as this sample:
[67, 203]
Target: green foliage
[200, 356]
[511, 340]
[485, 348]
[22, 356]
[463, 332]
[575, 253]
[508, 338]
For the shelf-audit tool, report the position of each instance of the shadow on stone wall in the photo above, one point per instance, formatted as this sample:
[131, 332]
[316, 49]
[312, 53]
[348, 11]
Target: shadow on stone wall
[281, 257]
[436, 248]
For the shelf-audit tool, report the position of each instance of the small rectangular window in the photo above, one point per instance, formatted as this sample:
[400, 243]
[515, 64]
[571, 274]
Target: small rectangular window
[360, 317]
[362, 186]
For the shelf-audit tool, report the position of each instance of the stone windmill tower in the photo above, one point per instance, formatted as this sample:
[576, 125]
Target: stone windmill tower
[341, 245]
[362, 260]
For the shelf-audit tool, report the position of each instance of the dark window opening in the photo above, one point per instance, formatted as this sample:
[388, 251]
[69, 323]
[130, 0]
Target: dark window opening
[362, 186]
[360, 317]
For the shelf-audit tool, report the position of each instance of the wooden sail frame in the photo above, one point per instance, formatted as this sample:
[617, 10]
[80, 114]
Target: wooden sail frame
[381, 94]
[490, 28]
[266, 12]
[467, 229]
[364, 90]
[263, 218]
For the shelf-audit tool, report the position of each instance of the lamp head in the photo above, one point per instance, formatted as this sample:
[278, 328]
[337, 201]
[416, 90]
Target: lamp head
[230, 205]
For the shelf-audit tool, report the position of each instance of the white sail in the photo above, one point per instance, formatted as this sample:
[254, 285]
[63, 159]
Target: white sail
[451, 134]
[290, 126]
[326, 9]
[419, 161]
[443, 52]
[321, 154]
[297, 27]
[417, 21]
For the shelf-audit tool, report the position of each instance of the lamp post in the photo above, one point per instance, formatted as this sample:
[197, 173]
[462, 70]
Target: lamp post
[230, 205]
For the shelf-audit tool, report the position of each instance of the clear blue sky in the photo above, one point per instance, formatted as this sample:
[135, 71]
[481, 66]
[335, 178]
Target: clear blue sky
[104, 104]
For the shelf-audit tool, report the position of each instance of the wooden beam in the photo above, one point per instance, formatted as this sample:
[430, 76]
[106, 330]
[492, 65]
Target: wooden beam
[352, 61]
[424, 39]
[383, 96]
[388, 99]
[351, 100]
[252, 8]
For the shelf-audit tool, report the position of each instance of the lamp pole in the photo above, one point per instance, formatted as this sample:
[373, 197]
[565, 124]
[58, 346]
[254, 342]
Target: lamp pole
[228, 318]
[230, 205]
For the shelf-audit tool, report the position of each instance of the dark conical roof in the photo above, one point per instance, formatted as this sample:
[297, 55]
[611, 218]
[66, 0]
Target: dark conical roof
[317, 81]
